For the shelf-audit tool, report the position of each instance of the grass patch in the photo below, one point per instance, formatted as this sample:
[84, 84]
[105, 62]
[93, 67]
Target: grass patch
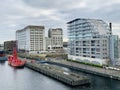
[91, 64]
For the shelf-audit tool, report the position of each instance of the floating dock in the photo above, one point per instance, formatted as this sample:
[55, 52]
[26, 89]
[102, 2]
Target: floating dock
[69, 78]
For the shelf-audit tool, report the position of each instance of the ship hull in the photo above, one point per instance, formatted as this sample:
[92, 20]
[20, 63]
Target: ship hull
[4, 58]
[14, 61]
[16, 65]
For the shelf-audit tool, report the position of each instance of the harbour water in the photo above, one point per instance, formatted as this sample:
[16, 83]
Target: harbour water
[27, 79]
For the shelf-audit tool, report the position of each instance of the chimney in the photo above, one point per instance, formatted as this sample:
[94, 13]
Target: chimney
[110, 25]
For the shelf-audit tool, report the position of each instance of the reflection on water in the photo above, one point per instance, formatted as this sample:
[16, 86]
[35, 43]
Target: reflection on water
[26, 79]
[97, 82]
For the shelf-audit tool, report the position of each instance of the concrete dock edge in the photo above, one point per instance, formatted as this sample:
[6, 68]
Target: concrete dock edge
[71, 79]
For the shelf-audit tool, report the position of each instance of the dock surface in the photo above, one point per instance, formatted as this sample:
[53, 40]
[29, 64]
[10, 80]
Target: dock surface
[69, 78]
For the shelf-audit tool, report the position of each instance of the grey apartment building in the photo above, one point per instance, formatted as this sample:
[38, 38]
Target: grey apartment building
[9, 45]
[114, 45]
[55, 39]
[89, 41]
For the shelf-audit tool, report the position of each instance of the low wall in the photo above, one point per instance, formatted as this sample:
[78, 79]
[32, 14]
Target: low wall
[89, 60]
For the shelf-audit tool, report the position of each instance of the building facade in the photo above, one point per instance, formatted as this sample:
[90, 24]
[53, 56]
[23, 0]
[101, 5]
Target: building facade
[1, 47]
[9, 45]
[48, 43]
[114, 50]
[89, 40]
[56, 37]
[31, 39]
[119, 47]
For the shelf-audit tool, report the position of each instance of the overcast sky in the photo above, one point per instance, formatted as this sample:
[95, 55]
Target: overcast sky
[16, 14]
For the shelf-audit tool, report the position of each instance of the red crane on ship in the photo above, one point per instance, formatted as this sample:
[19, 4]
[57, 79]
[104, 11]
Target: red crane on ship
[14, 61]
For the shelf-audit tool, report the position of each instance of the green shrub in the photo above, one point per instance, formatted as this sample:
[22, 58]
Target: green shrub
[91, 64]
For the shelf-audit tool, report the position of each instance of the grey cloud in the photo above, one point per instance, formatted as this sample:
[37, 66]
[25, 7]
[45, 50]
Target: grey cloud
[52, 4]
[16, 14]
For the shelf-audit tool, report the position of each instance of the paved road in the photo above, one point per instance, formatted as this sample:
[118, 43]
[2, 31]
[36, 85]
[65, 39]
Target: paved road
[90, 68]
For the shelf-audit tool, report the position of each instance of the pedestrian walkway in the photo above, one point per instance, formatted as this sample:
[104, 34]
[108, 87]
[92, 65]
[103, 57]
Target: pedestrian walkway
[90, 69]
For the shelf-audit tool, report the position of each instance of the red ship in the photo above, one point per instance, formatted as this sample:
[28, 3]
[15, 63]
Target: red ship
[14, 61]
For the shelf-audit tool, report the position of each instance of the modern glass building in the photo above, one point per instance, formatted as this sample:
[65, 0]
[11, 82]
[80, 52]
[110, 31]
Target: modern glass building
[88, 40]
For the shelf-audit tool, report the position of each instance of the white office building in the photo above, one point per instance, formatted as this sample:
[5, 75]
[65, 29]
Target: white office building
[89, 41]
[31, 39]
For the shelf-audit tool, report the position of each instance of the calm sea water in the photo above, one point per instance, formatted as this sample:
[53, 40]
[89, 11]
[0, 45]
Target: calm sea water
[27, 79]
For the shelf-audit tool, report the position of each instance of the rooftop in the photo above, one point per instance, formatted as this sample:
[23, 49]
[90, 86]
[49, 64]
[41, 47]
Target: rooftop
[31, 26]
[81, 19]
